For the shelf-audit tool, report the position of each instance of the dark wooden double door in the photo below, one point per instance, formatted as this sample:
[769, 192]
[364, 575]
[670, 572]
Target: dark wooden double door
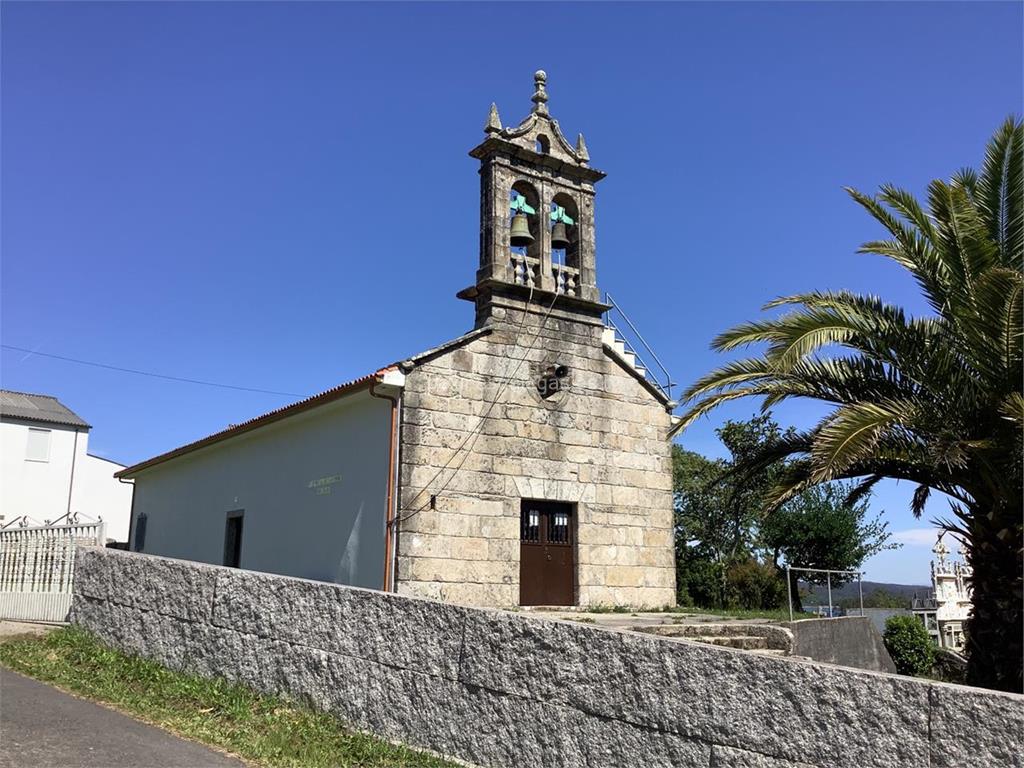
[547, 553]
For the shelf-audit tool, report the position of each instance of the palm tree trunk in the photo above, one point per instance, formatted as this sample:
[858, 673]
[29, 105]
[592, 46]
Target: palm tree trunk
[996, 626]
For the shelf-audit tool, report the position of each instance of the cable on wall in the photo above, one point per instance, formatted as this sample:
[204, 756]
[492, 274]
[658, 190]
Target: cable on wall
[483, 418]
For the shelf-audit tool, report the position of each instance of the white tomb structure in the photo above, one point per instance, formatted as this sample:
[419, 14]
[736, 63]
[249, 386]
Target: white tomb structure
[944, 612]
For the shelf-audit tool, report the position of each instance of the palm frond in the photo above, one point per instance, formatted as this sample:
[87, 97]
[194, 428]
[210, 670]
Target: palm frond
[851, 433]
[909, 249]
[1001, 191]
[862, 489]
[967, 179]
[707, 405]
[935, 400]
[917, 503]
[730, 375]
[906, 204]
[1012, 408]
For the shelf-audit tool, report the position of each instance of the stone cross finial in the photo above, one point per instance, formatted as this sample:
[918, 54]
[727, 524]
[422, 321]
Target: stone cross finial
[540, 95]
[493, 121]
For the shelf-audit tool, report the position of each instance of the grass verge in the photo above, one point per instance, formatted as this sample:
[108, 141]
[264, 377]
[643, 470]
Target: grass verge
[265, 730]
[781, 614]
[744, 613]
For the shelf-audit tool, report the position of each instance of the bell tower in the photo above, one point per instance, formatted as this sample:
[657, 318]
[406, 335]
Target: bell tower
[536, 217]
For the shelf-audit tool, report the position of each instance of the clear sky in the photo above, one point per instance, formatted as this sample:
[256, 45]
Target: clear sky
[278, 196]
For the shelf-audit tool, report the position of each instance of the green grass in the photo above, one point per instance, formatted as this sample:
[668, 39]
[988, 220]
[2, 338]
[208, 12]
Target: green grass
[264, 730]
[781, 614]
[601, 608]
[732, 613]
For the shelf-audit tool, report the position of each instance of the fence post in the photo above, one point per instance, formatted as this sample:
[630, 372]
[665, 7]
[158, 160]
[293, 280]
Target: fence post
[860, 589]
[828, 579]
[789, 592]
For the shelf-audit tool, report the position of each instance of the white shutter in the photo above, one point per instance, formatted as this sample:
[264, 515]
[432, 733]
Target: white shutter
[38, 448]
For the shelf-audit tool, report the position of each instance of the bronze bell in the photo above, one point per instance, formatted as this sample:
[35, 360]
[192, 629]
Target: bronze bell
[559, 237]
[520, 234]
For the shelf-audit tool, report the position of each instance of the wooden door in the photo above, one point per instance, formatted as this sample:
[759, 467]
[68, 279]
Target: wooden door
[547, 549]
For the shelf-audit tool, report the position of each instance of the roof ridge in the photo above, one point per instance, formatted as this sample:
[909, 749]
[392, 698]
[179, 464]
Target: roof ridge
[310, 401]
[30, 394]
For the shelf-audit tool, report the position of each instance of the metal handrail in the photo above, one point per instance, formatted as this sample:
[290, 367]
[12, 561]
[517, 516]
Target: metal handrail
[665, 388]
[620, 336]
[828, 576]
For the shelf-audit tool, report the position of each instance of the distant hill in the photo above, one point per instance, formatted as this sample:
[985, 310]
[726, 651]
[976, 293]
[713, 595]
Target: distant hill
[814, 594]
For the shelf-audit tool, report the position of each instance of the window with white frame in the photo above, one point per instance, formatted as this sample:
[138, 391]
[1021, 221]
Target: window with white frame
[38, 447]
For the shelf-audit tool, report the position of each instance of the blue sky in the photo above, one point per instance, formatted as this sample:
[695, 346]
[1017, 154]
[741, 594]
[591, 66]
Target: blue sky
[278, 195]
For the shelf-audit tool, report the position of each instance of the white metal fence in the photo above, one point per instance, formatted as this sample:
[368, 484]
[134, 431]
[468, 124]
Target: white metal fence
[37, 566]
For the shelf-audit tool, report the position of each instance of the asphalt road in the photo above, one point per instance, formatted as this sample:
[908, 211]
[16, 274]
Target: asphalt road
[41, 727]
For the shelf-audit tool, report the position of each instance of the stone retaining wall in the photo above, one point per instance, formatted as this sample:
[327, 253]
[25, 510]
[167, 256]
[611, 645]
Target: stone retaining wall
[500, 689]
[851, 641]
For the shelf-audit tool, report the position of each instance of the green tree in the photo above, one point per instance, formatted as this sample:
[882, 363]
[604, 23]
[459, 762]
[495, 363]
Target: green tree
[746, 494]
[909, 645]
[754, 585]
[820, 528]
[701, 530]
[700, 503]
[935, 400]
[716, 515]
[720, 528]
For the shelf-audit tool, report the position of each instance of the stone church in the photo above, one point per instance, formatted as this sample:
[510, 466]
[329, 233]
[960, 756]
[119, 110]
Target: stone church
[526, 462]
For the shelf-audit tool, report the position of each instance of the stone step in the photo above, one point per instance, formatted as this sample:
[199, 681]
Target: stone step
[609, 337]
[741, 642]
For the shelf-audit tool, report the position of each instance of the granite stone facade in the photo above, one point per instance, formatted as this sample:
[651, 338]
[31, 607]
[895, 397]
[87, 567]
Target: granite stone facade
[599, 444]
[503, 689]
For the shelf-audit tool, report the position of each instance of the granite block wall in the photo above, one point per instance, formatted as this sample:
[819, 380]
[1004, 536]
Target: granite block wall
[500, 689]
[600, 444]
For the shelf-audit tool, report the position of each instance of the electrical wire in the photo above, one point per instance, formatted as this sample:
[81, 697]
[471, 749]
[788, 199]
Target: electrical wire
[458, 450]
[148, 373]
[483, 418]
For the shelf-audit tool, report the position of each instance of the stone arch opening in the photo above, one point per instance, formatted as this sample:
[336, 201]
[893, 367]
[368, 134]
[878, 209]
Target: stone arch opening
[564, 223]
[524, 232]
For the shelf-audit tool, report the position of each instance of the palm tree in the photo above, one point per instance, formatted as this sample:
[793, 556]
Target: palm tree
[935, 400]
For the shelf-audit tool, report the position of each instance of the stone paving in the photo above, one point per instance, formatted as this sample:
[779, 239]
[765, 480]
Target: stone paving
[16, 628]
[636, 619]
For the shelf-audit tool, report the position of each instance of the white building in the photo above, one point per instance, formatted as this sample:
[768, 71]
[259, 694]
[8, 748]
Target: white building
[944, 612]
[47, 472]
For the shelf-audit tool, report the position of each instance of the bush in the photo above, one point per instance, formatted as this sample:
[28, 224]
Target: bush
[754, 586]
[747, 584]
[909, 645]
[700, 583]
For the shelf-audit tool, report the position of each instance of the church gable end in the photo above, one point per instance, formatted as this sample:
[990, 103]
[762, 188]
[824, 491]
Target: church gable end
[534, 463]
